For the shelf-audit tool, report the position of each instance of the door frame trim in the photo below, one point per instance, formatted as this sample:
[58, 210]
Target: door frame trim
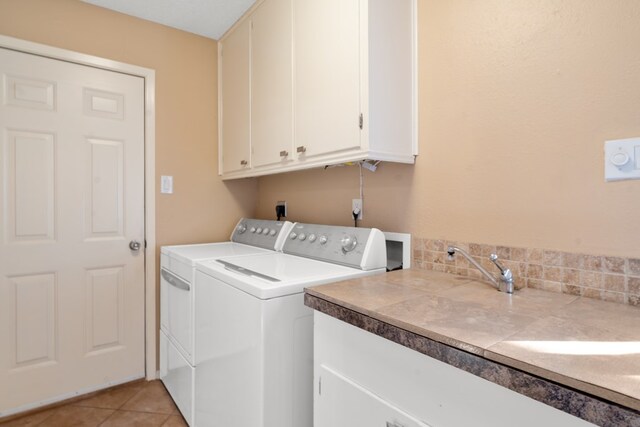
[149, 77]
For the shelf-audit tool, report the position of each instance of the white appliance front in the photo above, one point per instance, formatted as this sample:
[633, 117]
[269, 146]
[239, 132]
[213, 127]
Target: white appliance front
[178, 377]
[259, 371]
[176, 288]
[255, 356]
[178, 347]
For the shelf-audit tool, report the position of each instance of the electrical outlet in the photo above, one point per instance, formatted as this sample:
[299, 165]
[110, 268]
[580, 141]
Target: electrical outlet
[356, 204]
[282, 203]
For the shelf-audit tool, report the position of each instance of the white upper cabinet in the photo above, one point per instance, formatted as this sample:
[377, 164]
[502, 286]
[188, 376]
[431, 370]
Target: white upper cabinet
[328, 82]
[327, 76]
[271, 84]
[235, 100]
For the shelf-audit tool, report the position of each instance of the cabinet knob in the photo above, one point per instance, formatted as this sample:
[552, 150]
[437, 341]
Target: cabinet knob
[394, 424]
[301, 149]
[284, 153]
[243, 163]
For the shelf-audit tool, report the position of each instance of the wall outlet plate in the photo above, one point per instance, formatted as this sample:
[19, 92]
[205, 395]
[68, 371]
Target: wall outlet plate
[166, 184]
[356, 204]
[282, 203]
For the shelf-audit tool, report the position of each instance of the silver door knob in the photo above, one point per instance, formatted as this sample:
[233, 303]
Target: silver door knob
[134, 245]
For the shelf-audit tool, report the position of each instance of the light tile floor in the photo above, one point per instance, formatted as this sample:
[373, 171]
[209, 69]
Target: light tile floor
[140, 404]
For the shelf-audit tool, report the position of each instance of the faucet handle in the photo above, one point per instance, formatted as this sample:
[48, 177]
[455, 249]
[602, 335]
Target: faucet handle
[494, 259]
[506, 273]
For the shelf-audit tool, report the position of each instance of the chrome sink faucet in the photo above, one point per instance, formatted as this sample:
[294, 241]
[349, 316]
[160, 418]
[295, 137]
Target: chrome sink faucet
[506, 276]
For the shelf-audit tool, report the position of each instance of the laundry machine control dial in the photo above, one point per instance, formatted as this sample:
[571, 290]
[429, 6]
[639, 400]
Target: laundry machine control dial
[242, 228]
[323, 240]
[349, 243]
[312, 238]
[293, 236]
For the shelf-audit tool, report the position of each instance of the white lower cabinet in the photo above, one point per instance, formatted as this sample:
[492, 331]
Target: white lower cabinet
[363, 380]
[346, 404]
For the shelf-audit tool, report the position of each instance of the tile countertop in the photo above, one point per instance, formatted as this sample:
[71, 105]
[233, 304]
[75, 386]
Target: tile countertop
[588, 345]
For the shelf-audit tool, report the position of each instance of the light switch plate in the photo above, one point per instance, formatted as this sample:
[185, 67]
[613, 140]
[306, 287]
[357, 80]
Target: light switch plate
[166, 184]
[621, 159]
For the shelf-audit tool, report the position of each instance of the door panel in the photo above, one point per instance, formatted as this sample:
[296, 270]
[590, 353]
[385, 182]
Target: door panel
[327, 75]
[31, 182]
[34, 320]
[341, 402]
[71, 199]
[105, 196]
[271, 84]
[236, 99]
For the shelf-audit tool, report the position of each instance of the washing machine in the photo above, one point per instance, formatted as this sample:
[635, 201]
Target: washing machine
[178, 312]
[255, 367]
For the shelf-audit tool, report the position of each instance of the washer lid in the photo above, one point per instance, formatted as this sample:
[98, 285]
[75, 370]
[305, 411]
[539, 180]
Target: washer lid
[190, 254]
[276, 274]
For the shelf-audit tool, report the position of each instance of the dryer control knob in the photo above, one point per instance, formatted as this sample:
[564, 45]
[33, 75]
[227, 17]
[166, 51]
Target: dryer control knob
[293, 236]
[312, 238]
[253, 229]
[265, 231]
[272, 233]
[302, 236]
[241, 228]
[259, 230]
[349, 243]
[323, 240]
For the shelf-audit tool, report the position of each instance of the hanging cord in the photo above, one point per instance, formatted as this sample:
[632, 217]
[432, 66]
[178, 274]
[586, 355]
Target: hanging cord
[356, 211]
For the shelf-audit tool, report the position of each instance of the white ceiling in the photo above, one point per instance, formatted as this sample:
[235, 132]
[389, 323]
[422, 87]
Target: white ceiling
[208, 18]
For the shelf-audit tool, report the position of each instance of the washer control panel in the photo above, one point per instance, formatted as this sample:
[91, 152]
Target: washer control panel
[335, 244]
[261, 232]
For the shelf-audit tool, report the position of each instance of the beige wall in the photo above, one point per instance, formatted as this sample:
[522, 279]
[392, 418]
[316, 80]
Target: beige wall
[202, 208]
[516, 99]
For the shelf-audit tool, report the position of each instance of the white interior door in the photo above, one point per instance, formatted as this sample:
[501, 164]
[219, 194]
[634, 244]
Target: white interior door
[71, 200]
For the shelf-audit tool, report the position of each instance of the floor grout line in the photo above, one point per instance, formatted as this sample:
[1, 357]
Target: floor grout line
[114, 411]
[105, 420]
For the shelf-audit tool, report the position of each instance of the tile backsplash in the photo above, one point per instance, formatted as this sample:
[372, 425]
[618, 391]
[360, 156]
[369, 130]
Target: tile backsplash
[602, 277]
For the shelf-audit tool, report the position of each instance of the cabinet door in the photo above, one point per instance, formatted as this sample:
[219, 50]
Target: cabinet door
[327, 75]
[342, 403]
[271, 84]
[235, 92]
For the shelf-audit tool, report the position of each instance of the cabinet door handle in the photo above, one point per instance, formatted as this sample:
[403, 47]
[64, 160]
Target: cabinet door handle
[243, 163]
[301, 149]
[284, 153]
